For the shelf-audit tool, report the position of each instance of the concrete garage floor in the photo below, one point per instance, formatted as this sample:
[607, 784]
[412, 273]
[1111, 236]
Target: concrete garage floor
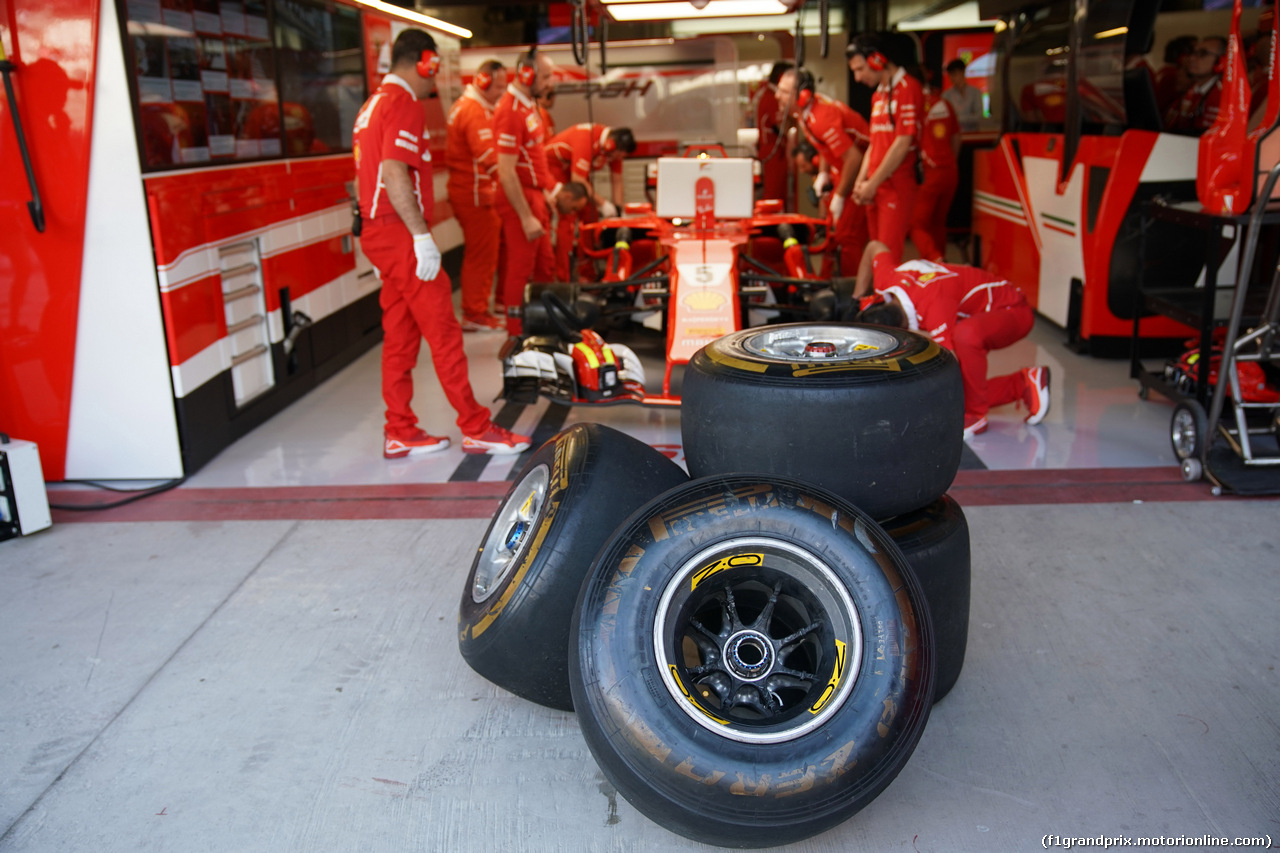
[296, 686]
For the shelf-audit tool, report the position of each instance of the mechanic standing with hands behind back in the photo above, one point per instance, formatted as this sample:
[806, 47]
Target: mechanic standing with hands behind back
[525, 183]
[393, 184]
[887, 180]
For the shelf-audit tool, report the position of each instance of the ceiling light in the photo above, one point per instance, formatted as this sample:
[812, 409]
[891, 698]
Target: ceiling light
[628, 10]
[418, 17]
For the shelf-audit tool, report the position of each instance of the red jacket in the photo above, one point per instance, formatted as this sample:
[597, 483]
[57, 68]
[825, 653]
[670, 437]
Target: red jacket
[937, 296]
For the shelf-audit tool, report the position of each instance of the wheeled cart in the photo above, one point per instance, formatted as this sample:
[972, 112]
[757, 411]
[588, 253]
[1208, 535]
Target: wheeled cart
[1224, 428]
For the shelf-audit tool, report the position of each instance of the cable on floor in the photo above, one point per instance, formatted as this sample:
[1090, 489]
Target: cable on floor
[138, 495]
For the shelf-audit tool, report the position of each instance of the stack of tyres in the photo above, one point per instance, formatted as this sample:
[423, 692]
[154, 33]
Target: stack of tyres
[874, 414]
[751, 656]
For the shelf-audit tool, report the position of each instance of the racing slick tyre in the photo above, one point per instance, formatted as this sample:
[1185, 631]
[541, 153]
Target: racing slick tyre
[517, 605]
[752, 660]
[935, 541]
[874, 414]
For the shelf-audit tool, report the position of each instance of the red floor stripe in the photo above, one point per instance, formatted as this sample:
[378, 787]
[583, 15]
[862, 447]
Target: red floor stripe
[481, 500]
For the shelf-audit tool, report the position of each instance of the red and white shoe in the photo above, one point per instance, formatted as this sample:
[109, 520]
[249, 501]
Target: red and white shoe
[417, 444]
[482, 323]
[496, 441]
[973, 426]
[1037, 394]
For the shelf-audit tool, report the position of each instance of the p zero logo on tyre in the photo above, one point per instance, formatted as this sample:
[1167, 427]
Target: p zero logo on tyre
[836, 675]
[675, 675]
[724, 565]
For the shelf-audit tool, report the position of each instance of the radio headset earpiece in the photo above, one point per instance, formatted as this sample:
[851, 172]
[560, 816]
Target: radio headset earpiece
[483, 80]
[876, 60]
[428, 64]
[610, 144]
[804, 88]
[527, 67]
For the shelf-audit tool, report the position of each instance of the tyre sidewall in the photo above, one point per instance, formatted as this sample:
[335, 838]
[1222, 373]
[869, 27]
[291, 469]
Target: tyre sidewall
[709, 787]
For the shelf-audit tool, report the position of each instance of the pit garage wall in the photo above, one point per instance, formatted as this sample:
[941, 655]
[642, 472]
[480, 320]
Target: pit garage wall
[82, 357]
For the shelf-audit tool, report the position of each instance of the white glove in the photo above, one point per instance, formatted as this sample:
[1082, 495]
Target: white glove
[608, 210]
[424, 249]
[836, 205]
[821, 183]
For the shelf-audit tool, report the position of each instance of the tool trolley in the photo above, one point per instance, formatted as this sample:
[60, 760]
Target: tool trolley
[1226, 419]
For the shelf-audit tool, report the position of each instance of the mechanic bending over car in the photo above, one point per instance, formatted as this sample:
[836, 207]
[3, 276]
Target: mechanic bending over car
[840, 136]
[572, 155]
[393, 188]
[970, 312]
[887, 181]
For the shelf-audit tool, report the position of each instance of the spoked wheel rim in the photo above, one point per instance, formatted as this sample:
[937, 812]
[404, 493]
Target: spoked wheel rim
[1185, 434]
[757, 640]
[510, 534]
[820, 343]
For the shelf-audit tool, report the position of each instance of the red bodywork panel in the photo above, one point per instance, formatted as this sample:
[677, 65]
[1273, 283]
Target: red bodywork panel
[53, 47]
[1016, 230]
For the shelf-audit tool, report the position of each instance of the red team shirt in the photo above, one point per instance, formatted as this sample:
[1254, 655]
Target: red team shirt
[518, 128]
[1197, 110]
[468, 150]
[391, 126]
[832, 127]
[896, 111]
[936, 295]
[574, 153]
[940, 125]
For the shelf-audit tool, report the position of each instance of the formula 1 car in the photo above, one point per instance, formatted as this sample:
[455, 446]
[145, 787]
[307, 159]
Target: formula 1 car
[710, 263]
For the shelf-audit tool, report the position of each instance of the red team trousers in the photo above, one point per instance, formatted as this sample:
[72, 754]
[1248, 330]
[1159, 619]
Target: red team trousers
[977, 335]
[481, 233]
[929, 218]
[411, 310]
[525, 260]
[889, 215]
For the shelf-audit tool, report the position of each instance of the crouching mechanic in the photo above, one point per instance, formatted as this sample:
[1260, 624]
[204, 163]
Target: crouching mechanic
[968, 311]
[393, 184]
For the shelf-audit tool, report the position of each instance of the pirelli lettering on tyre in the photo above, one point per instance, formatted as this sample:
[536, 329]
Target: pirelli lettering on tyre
[836, 674]
[682, 519]
[723, 565]
[675, 675]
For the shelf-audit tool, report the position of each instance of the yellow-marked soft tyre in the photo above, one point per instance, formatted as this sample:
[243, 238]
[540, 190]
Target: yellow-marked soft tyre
[752, 661]
[518, 601]
[872, 413]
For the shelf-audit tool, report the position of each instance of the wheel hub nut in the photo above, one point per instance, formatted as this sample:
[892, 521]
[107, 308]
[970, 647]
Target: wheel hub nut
[820, 349]
[749, 654]
[515, 534]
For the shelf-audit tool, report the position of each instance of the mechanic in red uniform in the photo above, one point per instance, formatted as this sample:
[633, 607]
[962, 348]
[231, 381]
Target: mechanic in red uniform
[970, 312]
[1197, 109]
[840, 136]
[572, 155]
[526, 183]
[771, 140]
[393, 184]
[887, 179]
[469, 157]
[939, 149]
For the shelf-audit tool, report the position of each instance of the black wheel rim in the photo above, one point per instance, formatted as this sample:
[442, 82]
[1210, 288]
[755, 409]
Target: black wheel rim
[758, 640]
[510, 534]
